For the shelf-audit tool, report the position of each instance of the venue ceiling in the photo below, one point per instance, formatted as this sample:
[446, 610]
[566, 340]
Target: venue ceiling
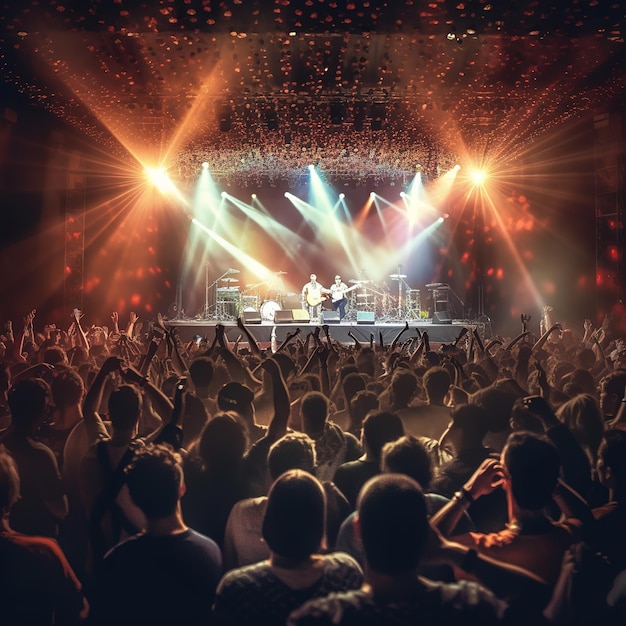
[196, 74]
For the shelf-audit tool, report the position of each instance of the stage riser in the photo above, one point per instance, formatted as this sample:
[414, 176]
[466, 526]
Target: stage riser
[437, 333]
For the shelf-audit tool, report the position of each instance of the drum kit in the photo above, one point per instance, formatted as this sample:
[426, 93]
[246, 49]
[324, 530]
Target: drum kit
[231, 302]
[380, 300]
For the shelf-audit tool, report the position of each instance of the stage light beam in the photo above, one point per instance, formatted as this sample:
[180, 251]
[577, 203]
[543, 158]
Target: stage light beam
[478, 177]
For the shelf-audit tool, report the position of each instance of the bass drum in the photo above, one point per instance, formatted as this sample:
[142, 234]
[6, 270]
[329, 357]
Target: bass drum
[268, 309]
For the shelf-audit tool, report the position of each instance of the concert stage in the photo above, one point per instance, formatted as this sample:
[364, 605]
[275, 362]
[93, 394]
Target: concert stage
[437, 333]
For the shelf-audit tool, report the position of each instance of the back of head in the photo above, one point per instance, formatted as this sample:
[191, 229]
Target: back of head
[294, 521]
[583, 379]
[585, 358]
[363, 402]
[404, 384]
[314, 410]
[408, 455]
[497, 405]
[9, 481]
[293, 451]
[351, 384]
[29, 400]
[436, 383]
[124, 407]
[393, 523]
[473, 422]
[67, 388]
[222, 443]
[201, 371]
[154, 479]
[54, 355]
[584, 418]
[380, 428]
[236, 397]
[532, 463]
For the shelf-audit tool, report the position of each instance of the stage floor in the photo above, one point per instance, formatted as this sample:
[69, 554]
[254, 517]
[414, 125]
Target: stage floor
[437, 333]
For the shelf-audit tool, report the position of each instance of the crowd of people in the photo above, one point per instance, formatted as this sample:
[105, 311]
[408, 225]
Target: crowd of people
[148, 480]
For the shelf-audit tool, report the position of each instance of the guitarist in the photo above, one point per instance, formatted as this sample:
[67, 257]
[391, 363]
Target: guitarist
[313, 294]
[338, 292]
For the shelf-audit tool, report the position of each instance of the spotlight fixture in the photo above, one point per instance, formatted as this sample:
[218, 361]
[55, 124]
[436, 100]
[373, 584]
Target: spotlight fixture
[372, 194]
[342, 196]
[205, 165]
[224, 194]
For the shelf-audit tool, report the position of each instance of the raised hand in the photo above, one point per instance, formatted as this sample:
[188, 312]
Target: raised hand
[112, 364]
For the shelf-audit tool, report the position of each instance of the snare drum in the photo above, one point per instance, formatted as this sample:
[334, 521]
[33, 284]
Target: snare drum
[268, 309]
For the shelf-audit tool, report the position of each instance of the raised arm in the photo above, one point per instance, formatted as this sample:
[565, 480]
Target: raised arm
[542, 340]
[94, 425]
[508, 582]
[396, 339]
[280, 394]
[171, 432]
[80, 333]
[160, 404]
[252, 342]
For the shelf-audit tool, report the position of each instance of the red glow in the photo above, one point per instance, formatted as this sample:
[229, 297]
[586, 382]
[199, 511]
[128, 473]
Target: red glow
[135, 299]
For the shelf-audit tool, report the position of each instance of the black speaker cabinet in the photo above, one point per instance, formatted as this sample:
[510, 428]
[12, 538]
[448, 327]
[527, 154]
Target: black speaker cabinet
[251, 317]
[283, 317]
[442, 317]
[330, 317]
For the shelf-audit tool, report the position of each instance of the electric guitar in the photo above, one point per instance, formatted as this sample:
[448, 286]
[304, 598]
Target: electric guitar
[340, 294]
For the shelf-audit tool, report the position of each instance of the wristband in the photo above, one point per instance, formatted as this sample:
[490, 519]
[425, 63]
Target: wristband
[464, 494]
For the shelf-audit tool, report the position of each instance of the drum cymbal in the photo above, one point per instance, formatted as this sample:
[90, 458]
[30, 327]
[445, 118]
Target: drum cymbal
[230, 280]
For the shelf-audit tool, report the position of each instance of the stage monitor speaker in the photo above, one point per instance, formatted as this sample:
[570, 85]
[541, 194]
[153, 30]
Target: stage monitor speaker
[442, 317]
[365, 317]
[251, 317]
[330, 317]
[283, 317]
[300, 315]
